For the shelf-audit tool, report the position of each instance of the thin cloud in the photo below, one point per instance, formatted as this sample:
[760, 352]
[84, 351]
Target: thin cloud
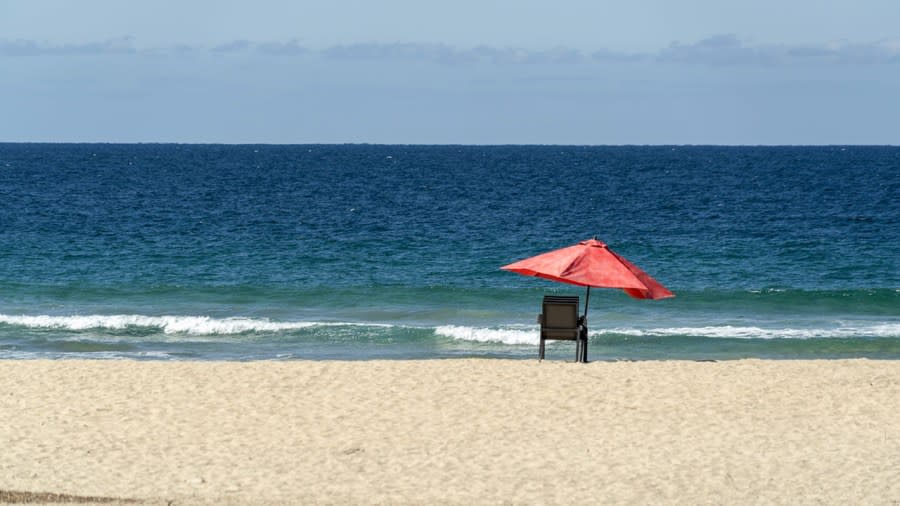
[126, 45]
[728, 49]
[607, 56]
[289, 48]
[718, 50]
[445, 54]
[19, 47]
[440, 53]
[234, 46]
[557, 55]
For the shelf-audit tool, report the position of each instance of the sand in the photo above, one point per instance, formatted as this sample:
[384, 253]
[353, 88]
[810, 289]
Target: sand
[451, 432]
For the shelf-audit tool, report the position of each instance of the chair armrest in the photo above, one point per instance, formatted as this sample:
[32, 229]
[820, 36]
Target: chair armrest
[540, 319]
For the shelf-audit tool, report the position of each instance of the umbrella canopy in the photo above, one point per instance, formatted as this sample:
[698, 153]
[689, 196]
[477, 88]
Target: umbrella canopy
[592, 264]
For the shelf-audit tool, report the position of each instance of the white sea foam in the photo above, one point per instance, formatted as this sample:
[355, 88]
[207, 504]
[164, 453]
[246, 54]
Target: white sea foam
[531, 335]
[512, 335]
[487, 335]
[93, 355]
[195, 325]
[752, 332]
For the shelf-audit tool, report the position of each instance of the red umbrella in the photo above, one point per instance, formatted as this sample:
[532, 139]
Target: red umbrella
[592, 264]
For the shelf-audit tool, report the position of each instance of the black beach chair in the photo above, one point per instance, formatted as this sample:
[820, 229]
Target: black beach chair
[560, 321]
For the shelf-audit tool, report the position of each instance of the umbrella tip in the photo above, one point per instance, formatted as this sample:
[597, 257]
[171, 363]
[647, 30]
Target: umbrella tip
[594, 242]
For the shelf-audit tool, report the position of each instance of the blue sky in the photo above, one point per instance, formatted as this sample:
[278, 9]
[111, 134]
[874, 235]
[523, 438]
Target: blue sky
[470, 72]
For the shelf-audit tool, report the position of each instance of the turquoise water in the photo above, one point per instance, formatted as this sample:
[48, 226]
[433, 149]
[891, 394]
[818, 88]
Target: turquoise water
[210, 252]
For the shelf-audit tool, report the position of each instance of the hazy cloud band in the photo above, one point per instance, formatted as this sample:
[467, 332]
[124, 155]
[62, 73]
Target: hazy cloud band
[718, 50]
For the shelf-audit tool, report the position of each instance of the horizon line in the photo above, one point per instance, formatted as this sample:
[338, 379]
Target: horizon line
[448, 144]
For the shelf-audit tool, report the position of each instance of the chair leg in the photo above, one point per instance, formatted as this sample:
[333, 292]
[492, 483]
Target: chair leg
[541, 350]
[578, 349]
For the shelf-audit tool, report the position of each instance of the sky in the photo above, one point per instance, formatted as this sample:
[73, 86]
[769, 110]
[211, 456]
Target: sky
[463, 72]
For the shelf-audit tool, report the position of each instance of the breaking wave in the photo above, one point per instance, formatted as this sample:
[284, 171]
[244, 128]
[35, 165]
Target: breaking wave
[752, 332]
[193, 325]
[508, 335]
[514, 336]
[488, 335]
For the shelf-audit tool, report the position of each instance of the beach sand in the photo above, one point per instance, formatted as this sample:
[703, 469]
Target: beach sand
[451, 432]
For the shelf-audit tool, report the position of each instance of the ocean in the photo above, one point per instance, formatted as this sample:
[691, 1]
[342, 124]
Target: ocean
[358, 252]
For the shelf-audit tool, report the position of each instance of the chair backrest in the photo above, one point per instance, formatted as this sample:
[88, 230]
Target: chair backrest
[559, 319]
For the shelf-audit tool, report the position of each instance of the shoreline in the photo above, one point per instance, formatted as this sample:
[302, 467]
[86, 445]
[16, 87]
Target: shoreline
[452, 431]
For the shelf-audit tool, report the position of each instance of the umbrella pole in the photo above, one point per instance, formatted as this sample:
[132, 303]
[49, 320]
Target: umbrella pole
[587, 298]
[584, 338]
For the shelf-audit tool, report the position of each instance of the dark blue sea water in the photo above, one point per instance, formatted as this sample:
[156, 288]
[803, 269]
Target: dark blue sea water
[166, 251]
